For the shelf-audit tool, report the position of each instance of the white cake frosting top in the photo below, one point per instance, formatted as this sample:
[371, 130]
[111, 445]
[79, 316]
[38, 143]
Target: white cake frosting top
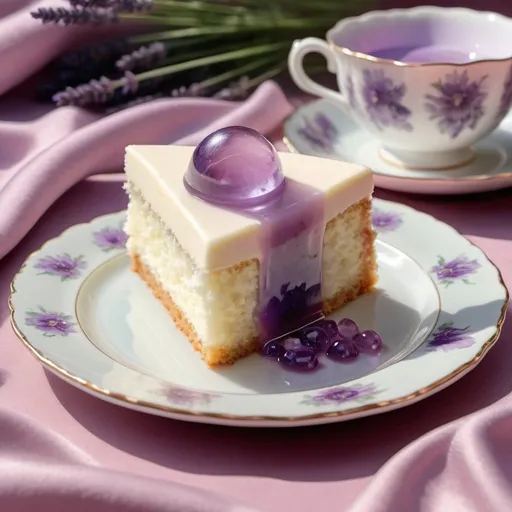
[213, 236]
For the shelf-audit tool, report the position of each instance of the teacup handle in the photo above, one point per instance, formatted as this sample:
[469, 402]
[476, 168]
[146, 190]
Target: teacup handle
[295, 66]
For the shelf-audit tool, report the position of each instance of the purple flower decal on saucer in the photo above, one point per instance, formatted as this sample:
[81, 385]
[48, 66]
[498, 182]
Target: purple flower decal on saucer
[52, 324]
[383, 101]
[506, 96]
[459, 103]
[110, 238]
[447, 337]
[62, 265]
[184, 396]
[342, 394]
[386, 221]
[319, 132]
[458, 269]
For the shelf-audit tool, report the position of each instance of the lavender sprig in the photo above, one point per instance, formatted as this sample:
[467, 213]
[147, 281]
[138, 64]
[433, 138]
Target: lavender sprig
[75, 16]
[118, 5]
[96, 91]
[143, 58]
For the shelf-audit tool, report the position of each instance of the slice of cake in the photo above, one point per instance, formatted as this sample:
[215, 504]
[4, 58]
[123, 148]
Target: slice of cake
[242, 244]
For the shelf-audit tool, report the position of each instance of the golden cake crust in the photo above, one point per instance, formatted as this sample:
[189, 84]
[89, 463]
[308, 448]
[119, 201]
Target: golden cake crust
[214, 356]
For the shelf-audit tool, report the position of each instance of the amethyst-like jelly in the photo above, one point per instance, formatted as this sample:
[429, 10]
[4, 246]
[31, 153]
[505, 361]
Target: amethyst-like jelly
[314, 338]
[301, 359]
[368, 341]
[342, 350]
[239, 169]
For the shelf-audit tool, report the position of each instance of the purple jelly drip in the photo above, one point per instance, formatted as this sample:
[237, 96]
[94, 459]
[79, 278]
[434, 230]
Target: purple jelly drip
[239, 169]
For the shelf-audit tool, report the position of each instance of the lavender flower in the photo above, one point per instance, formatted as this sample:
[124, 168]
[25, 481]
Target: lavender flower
[62, 265]
[51, 324]
[96, 92]
[143, 58]
[341, 394]
[506, 97]
[459, 104]
[119, 5]
[326, 125]
[184, 396]
[320, 133]
[447, 272]
[383, 101]
[448, 337]
[110, 238]
[75, 16]
[386, 221]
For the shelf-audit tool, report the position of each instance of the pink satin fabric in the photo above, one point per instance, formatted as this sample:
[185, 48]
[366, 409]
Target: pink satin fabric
[61, 449]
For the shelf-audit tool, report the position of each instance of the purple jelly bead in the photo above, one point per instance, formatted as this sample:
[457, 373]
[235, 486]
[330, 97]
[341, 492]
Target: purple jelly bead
[330, 327]
[292, 343]
[235, 166]
[314, 338]
[347, 328]
[303, 359]
[342, 350]
[273, 349]
[368, 341]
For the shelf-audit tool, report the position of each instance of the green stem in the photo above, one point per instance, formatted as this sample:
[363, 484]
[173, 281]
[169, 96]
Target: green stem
[228, 75]
[182, 33]
[204, 61]
[195, 5]
[271, 73]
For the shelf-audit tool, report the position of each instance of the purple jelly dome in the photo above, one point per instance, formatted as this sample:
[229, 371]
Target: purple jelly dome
[237, 167]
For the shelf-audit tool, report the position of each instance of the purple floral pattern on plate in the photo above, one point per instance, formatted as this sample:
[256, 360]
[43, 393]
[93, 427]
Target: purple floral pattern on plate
[383, 101]
[184, 396]
[383, 221]
[51, 324]
[62, 265]
[319, 132]
[110, 238]
[458, 269]
[459, 103]
[446, 337]
[342, 394]
[506, 96]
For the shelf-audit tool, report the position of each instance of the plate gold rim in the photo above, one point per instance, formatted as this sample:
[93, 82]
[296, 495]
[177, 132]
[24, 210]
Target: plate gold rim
[187, 413]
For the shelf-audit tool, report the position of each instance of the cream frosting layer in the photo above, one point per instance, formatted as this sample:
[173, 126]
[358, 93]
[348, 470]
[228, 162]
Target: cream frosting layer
[213, 236]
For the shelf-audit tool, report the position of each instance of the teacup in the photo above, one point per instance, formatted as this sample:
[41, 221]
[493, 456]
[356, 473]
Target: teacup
[427, 81]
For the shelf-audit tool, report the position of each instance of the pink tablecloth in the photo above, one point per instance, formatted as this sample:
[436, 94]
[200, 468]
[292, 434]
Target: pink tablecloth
[62, 449]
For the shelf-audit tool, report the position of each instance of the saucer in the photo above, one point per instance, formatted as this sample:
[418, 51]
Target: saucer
[321, 128]
[439, 306]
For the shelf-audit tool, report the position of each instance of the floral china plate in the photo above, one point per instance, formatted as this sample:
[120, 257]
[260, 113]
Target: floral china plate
[321, 128]
[439, 306]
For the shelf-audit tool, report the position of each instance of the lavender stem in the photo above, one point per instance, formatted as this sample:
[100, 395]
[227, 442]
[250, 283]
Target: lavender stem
[215, 59]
